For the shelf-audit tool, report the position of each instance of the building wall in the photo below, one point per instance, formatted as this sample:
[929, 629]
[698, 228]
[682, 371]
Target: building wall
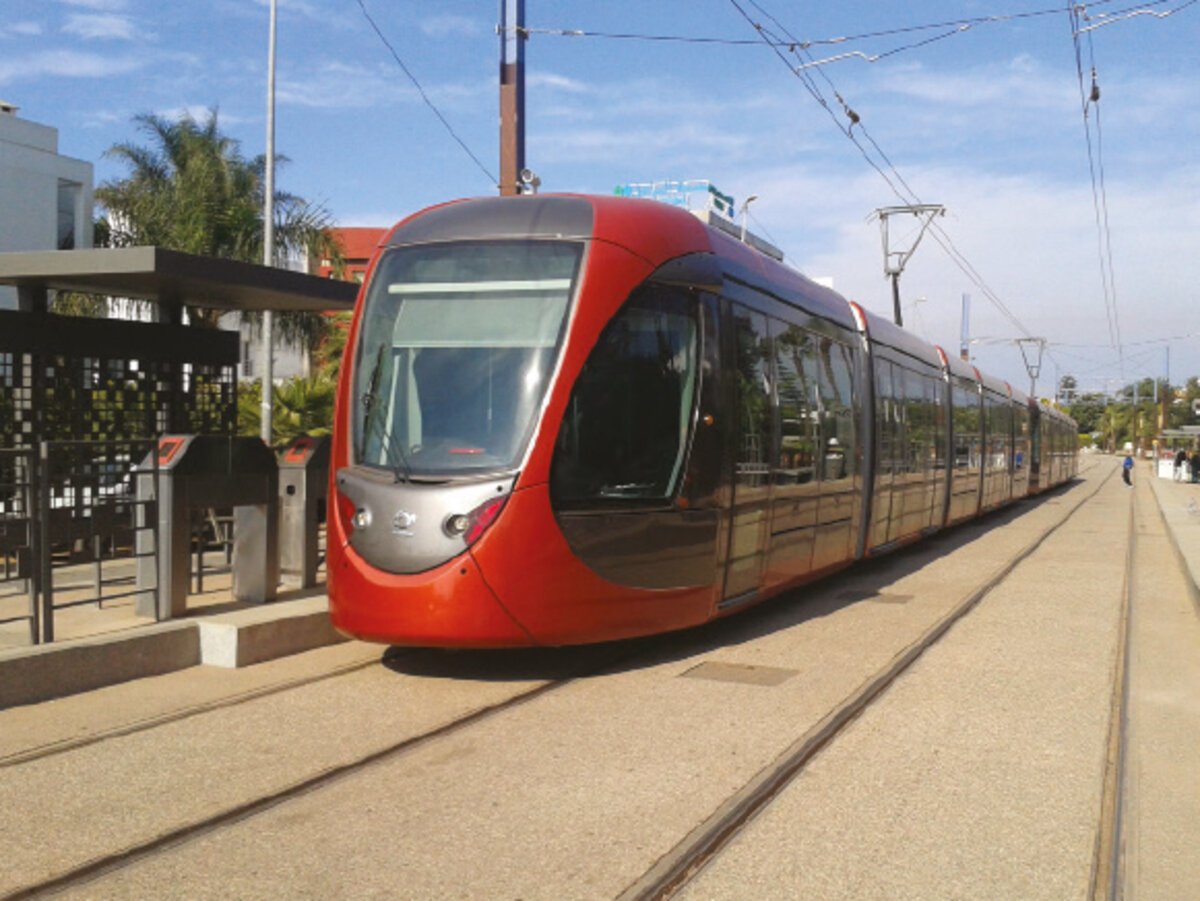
[358, 244]
[45, 198]
[288, 361]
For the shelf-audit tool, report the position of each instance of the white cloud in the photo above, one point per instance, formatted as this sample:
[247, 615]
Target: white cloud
[199, 112]
[556, 82]
[337, 85]
[449, 25]
[1032, 239]
[21, 29]
[100, 27]
[101, 5]
[66, 64]
[1020, 82]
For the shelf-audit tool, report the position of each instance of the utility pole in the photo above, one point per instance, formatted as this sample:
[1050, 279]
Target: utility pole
[895, 260]
[1164, 416]
[512, 95]
[964, 341]
[268, 328]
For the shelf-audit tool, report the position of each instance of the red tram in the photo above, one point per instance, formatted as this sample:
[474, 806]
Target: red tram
[567, 419]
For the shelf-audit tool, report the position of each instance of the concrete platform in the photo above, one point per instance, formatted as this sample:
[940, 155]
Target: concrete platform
[105, 646]
[1180, 506]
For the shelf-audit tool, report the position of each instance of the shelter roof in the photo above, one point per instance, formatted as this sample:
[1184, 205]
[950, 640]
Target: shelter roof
[170, 277]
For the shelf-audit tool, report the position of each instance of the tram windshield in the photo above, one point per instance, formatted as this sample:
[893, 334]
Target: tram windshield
[456, 349]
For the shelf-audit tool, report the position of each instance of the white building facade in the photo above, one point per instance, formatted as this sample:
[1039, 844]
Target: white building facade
[46, 199]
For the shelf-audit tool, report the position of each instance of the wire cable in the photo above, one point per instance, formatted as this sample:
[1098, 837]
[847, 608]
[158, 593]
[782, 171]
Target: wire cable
[954, 27]
[902, 190]
[429, 103]
[1089, 99]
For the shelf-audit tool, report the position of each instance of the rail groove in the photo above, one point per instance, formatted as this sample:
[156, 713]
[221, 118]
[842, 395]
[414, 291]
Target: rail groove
[1107, 862]
[71, 744]
[101, 866]
[679, 866]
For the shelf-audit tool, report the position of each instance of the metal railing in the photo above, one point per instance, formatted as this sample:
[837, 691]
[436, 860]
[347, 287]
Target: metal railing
[88, 522]
[18, 596]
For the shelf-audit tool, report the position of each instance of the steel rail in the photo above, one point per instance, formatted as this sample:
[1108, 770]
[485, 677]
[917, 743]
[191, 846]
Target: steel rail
[680, 865]
[1107, 871]
[61, 746]
[101, 866]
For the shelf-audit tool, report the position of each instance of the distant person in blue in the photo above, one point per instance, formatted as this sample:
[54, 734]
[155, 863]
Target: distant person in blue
[1127, 470]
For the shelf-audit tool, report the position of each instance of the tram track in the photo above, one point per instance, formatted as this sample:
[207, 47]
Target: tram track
[1107, 867]
[173, 838]
[74, 743]
[725, 824]
[707, 841]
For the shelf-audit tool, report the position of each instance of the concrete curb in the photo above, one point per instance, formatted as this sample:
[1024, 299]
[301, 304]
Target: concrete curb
[1183, 529]
[33, 675]
[252, 636]
[42, 673]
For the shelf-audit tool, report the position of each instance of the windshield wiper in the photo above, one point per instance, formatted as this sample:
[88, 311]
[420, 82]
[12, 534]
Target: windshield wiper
[395, 455]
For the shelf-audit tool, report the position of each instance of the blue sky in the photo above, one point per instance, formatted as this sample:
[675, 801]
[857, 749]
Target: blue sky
[981, 116]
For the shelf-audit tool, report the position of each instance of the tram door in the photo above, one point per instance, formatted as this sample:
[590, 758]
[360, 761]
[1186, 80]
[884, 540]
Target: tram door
[751, 482]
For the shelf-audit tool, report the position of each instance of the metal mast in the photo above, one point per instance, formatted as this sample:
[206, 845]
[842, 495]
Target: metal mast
[1033, 365]
[895, 260]
[268, 328]
[512, 95]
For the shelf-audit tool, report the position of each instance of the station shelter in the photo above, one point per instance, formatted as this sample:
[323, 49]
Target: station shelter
[82, 400]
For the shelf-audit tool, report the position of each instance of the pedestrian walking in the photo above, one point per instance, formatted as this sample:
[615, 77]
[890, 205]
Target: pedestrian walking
[1180, 460]
[1196, 465]
[1127, 470]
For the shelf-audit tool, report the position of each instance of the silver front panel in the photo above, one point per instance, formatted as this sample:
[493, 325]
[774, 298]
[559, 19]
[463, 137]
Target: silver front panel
[406, 531]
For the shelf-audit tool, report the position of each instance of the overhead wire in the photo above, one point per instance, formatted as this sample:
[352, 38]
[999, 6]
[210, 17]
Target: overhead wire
[425, 97]
[904, 191]
[1143, 10]
[1090, 100]
[954, 26]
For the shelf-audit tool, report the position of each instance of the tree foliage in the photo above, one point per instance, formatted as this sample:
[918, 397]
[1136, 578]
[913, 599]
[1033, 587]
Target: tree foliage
[1119, 420]
[302, 406]
[191, 189]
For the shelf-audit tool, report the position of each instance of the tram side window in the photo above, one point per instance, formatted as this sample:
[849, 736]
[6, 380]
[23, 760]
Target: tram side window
[1000, 427]
[939, 429]
[886, 424]
[966, 425]
[920, 421]
[796, 385]
[1021, 430]
[837, 396]
[754, 397]
[624, 435]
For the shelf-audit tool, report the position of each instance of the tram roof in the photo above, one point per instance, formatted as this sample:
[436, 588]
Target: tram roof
[170, 277]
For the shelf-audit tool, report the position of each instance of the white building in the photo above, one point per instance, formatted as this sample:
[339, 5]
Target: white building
[45, 198]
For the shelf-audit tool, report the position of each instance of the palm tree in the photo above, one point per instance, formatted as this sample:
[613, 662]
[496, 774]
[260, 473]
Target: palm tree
[192, 190]
[303, 406]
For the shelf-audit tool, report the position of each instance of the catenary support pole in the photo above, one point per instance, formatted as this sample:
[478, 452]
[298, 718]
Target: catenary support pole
[268, 329]
[512, 95]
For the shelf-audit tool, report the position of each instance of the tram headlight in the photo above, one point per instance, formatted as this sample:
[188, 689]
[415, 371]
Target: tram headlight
[472, 525]
[353, 516]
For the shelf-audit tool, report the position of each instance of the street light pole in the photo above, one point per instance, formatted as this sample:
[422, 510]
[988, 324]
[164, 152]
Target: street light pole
[746, 212]
[268, 329]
